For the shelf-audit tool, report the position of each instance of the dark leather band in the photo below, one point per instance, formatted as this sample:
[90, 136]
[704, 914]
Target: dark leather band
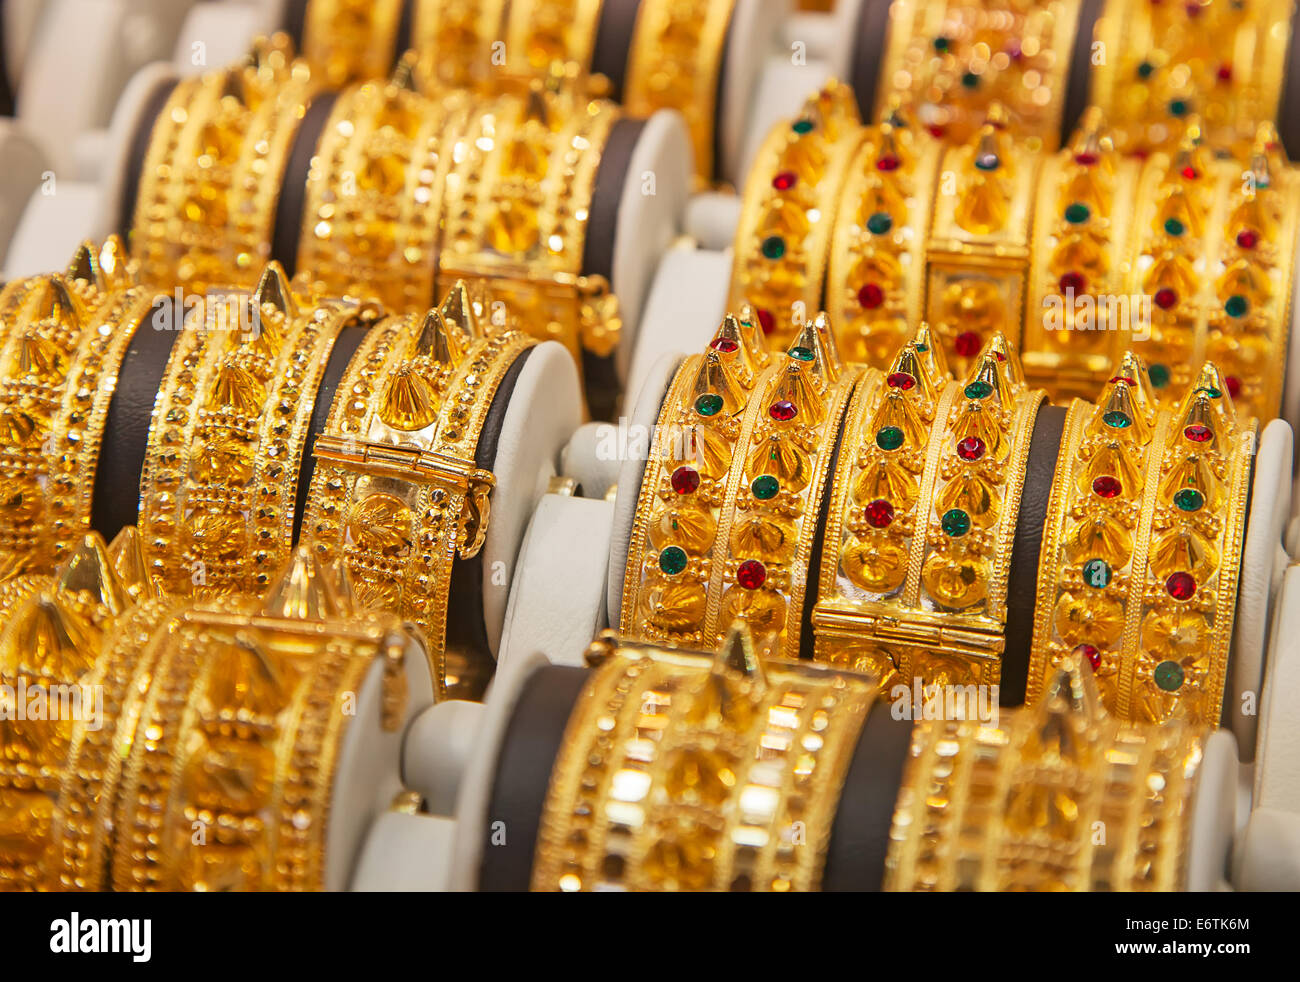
[613, 47]
[402, 41]
[868, 53]
[295, 21]
[807, 636]
[139, 149]
[6, 88]
[1079, 80]
[293, 186]
[1288, 110]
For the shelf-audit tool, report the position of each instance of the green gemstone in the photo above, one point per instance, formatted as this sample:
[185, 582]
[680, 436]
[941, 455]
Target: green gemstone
[1174, 227]
[1211, 391]
[1145, 69]
[889, 438]
[1097, 573]
[709, 404]
[1077, 213]
[773, 247]
[672, 560]
[1236, 305]
[970, 80]
[1177, 107]
[802, 126]
[1159, 375]
[955, 523]
[801, 353]
[1117, 420]
[941, 43]
[765, 487]
[1169, 676]
[879, 223]
[978, 390]
[1189, 499]
[922, 347]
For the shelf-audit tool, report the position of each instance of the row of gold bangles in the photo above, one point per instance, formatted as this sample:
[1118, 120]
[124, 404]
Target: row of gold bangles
[202, 740]
[717, 770]
[404, 193]
[919, 474]
[391, 484]
[1075, 256]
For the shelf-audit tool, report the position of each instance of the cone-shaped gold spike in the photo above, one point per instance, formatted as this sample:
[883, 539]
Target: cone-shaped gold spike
[304, 590]
[440, 342]
[39, 357]
[1246, 279]
[752, 333]
[737, 654]
[797, 398]
[343, 586]
[84, 265]
[409, 401]
[715, 379]
[891, 147]
[237, 388]
[1193, 472]
[51, 301]
[457, 310]
[1007, 358]
[1072, 692]
[1253, 214]
[1210, 381]
[910, 362]
[1172, 270]
[897, 411]
[1188, 162]
[1114, 459]
[1178, 206]
[113, 268]
[822, 325]
[985, 203]
[1132, 367]
[730, 344]
[89, 570]
[1199, 422]
[931, 353]
[1118, 415]
[48, 639]
[1090, 136]
[781, 457]
[273, 290]
[987, 381]
[809, 347]
[127, 557]
[1267, 158]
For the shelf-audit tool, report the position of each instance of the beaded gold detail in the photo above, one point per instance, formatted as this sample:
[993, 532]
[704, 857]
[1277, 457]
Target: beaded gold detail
[351, 40]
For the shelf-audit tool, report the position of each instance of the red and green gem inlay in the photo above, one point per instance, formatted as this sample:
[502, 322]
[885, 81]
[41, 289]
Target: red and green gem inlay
[672, 560]
[900, 380]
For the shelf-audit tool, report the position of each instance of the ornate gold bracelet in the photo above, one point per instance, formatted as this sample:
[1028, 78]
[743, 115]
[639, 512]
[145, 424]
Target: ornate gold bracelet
[950, 61]
[1164, 62]
[351, 40]
[922, 519]
[217, 494]
[875, 287]
[1018, 804]
[977, 257]
[62, 340]
[516, 216]
[211, 178]
[541, 33]
[682, 770]
[1142, 548]
[783, 241]
[675, 62]
[231, 787]
[396, 493]
[458, 42]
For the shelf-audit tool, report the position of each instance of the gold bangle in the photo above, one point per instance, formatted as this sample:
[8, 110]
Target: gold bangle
[1142, 548]
[350, 40]
[683, 770]
[227, 437]
[516, 216]
[244, 721]
[922, 520]
[783, 239]
[63, 339]
[205, 213]
[541, 33]
[1077, 321]
[1215, 252]
[1225, 62]
[458, 42]
[1016, 804]
[875, 287]
[396, 493]
[674, 63]
[374, 196]
[703, 433]
[977, 257]
[950, 61]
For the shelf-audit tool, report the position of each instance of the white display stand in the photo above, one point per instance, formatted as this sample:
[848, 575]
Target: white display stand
[1277, 763]
[24, 167]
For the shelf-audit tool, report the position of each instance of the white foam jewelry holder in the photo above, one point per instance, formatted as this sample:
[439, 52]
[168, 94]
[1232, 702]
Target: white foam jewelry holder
[1268, 852]
[1277, 764]
[24, 168]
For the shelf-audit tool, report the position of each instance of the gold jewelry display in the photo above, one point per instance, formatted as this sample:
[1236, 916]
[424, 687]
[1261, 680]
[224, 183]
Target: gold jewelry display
[1017, 804]
[875, 286]
[949, 61]
[540, 33]
[458, 42]
[62, 340]
[396, 494]
[218, 490]
[796, 183]
[351, 40]
[675, 63]
[1162, 63]
[683, 770]
[1215, 252]
[1142, 547]
[516, 211]
[977, 256]
[211, 178]
[923, 511]
[243, 724]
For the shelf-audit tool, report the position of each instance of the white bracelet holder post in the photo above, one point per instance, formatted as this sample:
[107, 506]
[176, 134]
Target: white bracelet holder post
[25, 169]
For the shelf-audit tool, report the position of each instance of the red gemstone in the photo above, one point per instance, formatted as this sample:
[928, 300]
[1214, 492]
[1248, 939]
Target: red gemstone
[1073, 282]
[1091, 653]
[1190, 172]
[1121, 378]
[766, 321]
[1165, 298]
[888, 162]
[1181, 586]
[1107, 486]
[936, 131]
[1247, 238]
[1193, 9]
[967, 344]
[971, 448]
[751, 574]
[785, 180]
[1225, 72]
[782, 411]
[879, 513]
[685, 480]
[725, 345]
[1234, 385]
[871, 296]
[1197, 433]
[900, 380]
[1086, 158]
